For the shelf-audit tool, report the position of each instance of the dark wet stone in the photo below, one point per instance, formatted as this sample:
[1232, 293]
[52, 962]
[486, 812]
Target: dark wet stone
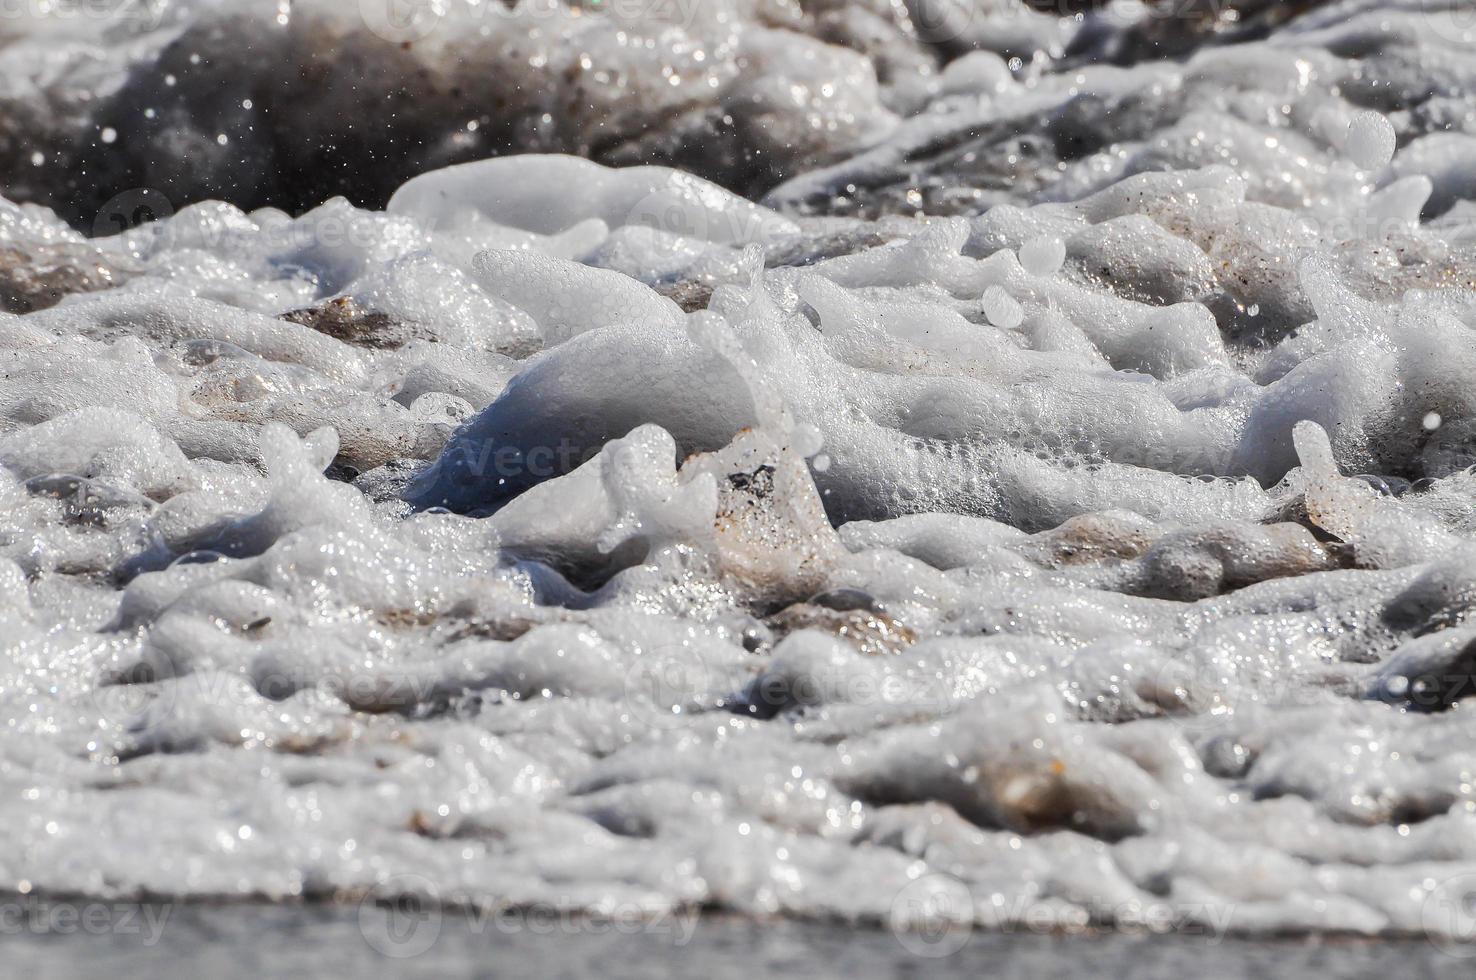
[1226, 757]
[1431, 602]
[690, 294]
[872, 633]
[847, 600]
[1440, 687]
[38, 280]
[757, 484]
[388, 481]
[343, 319]
[1176, 28]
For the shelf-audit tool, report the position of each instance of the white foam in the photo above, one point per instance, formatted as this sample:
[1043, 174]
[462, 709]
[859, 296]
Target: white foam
[1370, 140]
[1106, 545]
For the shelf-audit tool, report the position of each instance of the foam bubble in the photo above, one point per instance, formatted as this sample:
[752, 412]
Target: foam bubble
[1370, 140]
[1043, 256]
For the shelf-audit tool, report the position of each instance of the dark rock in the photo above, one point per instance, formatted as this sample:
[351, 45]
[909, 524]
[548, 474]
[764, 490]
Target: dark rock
[345, 320]
[38, 280]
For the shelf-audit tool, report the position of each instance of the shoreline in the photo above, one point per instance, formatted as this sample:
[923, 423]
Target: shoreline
[254, 939]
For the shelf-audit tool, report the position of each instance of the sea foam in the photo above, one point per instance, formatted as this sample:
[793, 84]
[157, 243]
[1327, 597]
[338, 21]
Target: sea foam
[1057, 487]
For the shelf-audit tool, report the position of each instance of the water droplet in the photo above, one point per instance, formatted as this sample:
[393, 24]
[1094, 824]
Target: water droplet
[1370, 142]
[1043, 256]
[1001, 309]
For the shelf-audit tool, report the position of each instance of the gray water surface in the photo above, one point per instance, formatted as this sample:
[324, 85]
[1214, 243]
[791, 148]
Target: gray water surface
[129, 942]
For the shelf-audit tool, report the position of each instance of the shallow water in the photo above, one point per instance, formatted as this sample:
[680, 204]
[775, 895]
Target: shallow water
[1046, 497]
[227, 942]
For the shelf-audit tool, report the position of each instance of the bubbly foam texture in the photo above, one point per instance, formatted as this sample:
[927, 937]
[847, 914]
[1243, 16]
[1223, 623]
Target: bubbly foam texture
[1100, 537]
